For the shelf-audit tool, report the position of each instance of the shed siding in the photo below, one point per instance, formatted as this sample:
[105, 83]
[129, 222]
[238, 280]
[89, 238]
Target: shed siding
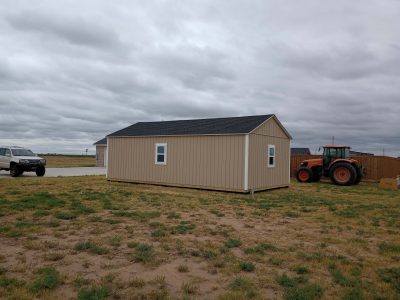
[100, 156]
[215, 162]
[260, 176]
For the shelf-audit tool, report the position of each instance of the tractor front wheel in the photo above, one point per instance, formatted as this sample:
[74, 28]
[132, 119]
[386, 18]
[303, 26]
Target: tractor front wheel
[343, 174]
[304, 175]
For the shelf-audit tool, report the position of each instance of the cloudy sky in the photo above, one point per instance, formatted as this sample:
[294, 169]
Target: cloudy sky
[74, 71]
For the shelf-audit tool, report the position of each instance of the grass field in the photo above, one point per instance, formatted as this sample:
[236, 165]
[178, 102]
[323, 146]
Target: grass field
[87, 238]
[68, 161]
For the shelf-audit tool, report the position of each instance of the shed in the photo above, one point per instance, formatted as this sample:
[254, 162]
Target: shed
[240, 154]
[101, 150]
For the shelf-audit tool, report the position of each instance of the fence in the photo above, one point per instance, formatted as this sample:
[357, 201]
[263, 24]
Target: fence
[377, 166]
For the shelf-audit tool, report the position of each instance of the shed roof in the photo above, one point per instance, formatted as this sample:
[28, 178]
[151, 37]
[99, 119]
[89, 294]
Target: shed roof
[233, 125]
[300, 151]
[101, 142]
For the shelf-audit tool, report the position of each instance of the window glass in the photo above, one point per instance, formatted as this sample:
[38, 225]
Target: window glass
[7, 153]
[271, 156]
[161, 154]
[160, 149]
[2, 151]
[271, 151]
[271, 161]
[22, 152]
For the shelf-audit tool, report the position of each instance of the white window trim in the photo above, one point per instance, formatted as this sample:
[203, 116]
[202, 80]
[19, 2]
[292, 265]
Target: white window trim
[165, 154]
[246, 163]
[269, 156]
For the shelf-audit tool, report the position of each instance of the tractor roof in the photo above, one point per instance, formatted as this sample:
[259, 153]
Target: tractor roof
[336, 146]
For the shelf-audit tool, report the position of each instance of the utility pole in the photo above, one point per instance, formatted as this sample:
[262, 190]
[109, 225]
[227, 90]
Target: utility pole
[383, 151]
[333, 139]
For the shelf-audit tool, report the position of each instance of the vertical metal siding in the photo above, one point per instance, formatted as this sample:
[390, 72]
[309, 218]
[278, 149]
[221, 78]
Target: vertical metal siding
[100, 156]
[260, 176]
[201, 161]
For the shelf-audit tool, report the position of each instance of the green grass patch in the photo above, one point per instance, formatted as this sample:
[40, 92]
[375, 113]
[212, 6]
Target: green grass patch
[140, 215]
[65, 215]
[340, 278]
[43, 200]
[233, 243]
[173, 215]
[45, 279]
[302, 270]
[94, 293]
[183, 227]
[286, 281]
[261, 248]
[247, 266]
[391, 276]
[91, 247]
[6, 282]
[387, 247]
[143, 253]
[309, 291]
[77, 206]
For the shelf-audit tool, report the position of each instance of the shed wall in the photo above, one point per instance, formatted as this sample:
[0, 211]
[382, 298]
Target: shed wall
[215, 162]
[100, 155]
[260, 175]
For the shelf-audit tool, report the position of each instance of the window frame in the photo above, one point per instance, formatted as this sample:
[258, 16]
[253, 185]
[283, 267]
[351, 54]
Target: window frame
[165, 145]
[271, 156]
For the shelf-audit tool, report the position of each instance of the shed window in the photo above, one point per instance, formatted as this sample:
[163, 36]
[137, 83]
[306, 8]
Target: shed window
[161, 154]
[271, 156]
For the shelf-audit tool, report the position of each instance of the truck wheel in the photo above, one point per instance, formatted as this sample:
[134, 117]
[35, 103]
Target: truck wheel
[304, 175]
[343, 174]
[40, 171]
[15, 171]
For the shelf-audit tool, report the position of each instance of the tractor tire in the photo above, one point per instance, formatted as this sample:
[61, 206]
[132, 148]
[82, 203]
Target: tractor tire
[316, 177]
[40, 171]
[304, 175]
[317, 174]
[359, 175]
[14, 170]
[343, 174]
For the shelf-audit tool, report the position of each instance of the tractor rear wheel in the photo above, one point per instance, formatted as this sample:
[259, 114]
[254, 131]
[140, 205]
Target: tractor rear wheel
[343, 174]
[304, 175]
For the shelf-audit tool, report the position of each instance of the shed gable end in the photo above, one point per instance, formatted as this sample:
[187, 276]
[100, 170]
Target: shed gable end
[273, 128]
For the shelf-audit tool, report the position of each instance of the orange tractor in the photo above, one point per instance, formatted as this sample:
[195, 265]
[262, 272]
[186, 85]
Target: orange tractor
[335, 163]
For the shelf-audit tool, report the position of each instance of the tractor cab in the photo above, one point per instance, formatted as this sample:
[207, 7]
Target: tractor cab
[333, 152]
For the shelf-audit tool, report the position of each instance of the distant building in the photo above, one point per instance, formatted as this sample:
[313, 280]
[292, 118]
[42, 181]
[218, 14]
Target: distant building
[300, 151]
[357, 153]
[101, 150]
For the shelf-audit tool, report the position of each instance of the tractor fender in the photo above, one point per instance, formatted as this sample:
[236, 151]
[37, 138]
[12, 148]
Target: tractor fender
[349, 161]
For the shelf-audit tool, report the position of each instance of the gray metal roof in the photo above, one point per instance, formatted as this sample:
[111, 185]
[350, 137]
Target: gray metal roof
[300, 151]
[101, 142]
[233, 125]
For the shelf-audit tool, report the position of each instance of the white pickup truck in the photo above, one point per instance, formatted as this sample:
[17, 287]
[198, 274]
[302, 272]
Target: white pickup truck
[18, 160]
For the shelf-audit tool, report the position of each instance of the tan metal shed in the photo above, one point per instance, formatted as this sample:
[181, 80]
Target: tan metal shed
[240, 154]
[101, 152]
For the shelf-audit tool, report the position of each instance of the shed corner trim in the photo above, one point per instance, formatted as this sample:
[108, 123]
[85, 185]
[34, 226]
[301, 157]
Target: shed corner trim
[246, 163]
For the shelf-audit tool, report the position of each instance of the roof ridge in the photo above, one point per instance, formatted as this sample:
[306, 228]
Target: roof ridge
[215, 126]
[249, 116]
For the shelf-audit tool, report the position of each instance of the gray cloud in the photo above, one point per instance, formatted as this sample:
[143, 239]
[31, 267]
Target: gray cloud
[71, 72]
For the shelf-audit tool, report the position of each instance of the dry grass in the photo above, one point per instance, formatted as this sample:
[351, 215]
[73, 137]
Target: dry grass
[87, 238]
[68, 161]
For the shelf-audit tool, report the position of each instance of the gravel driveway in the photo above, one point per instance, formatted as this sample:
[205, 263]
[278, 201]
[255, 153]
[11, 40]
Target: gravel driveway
[56, 172]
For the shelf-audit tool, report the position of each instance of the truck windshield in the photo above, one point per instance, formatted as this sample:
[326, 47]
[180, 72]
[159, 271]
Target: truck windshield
[22, 152]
